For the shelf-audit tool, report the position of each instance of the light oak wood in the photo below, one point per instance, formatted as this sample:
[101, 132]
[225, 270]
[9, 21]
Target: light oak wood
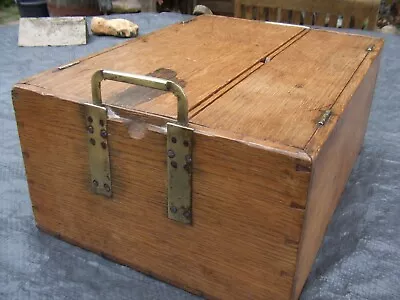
[283, 90]
[266, 177]
[192, 62]
[334, 149]
[241, 203]
[361, 10]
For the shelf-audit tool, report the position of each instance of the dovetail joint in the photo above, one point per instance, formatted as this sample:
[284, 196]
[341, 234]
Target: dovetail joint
[325, 117]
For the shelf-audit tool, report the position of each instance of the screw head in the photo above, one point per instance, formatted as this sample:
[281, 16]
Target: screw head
[92, 141]
[107, 187]
[187, 214]
[186, 143]
[187, 167]
[171, 153]
[90, 129]
[95, 183]
[188, 158]
[103, 145]
[173, 139]
[174, 164]
[90, 119]
[173, 209]
[101, 122]
[103, 133]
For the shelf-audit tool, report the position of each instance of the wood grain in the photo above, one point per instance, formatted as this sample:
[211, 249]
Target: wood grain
[334, 149]
[283, 90]
[203, 68]
[266, 177]
[248, 202]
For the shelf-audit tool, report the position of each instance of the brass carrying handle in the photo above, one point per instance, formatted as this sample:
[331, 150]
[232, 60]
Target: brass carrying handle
[146, 81]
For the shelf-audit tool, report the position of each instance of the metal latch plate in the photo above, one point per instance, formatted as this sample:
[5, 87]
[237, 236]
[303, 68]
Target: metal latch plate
[99, 156]
[179, 153]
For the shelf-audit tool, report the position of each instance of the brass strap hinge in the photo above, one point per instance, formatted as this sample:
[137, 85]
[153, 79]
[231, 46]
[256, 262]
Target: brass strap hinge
[179, 144]
[99, 155]
[325, 117]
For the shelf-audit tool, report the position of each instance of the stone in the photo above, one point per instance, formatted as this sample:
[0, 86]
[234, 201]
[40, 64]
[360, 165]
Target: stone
[54, 31]
[114, 27]
[201, 10]
[389, 29]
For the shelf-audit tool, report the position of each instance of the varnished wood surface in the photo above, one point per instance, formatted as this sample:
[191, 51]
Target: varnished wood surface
[247, 224]
[334, 149]
[283, 99]
[257, 147]
[202, 55]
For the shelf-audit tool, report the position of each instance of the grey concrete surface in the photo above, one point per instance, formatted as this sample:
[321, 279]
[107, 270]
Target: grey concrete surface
[360, 257]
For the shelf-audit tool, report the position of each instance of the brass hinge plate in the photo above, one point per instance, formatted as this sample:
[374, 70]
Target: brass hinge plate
[179, 167]
[324, 117]
[99, 156]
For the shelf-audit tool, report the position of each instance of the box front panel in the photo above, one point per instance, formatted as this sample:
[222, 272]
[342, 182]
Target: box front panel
[248, 203]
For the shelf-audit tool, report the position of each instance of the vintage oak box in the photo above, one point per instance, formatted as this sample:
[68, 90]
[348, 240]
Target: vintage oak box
[221, 175]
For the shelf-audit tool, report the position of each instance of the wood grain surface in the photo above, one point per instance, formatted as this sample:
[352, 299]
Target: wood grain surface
[246, 219]
[266, 177]
[282, 100]
[334, 149]
[204, 55]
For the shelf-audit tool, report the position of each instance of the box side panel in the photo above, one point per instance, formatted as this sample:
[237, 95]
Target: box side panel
[247, 203]
[334, 150]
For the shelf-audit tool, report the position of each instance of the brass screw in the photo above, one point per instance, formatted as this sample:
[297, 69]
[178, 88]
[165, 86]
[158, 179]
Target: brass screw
[171, 153]
[187, 214]
[103, 133]
[90, 129]
[92, 141]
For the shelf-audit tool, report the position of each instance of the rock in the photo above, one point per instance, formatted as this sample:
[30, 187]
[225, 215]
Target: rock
[54, 31]
[389, 29]
[201, 10]
[114, 27]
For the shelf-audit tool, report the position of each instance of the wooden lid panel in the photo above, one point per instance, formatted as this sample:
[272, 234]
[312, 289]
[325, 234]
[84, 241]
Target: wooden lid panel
[201, 55]
[283, 100]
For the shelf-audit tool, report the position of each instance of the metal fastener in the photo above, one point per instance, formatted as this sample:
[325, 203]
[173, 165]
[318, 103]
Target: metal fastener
[370, 48]
[173, 209]
[186, 143]
[92, 141]
[174, 164]
[103, 145]
[101, 122]
[107, 187]
[171, 153]
[173, 139]
[103, 133]
[90, 119]
[95, 183]
[90, 129]
[187, 167]
[187, 214]
[188, 158]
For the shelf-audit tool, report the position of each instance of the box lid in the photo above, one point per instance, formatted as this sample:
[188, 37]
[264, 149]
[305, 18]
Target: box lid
[266, 81]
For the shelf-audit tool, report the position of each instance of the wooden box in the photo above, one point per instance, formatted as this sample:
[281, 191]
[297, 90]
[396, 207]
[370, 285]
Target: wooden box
[230, 205]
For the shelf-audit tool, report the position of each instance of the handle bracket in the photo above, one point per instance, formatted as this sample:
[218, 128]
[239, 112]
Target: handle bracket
[179, 143]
